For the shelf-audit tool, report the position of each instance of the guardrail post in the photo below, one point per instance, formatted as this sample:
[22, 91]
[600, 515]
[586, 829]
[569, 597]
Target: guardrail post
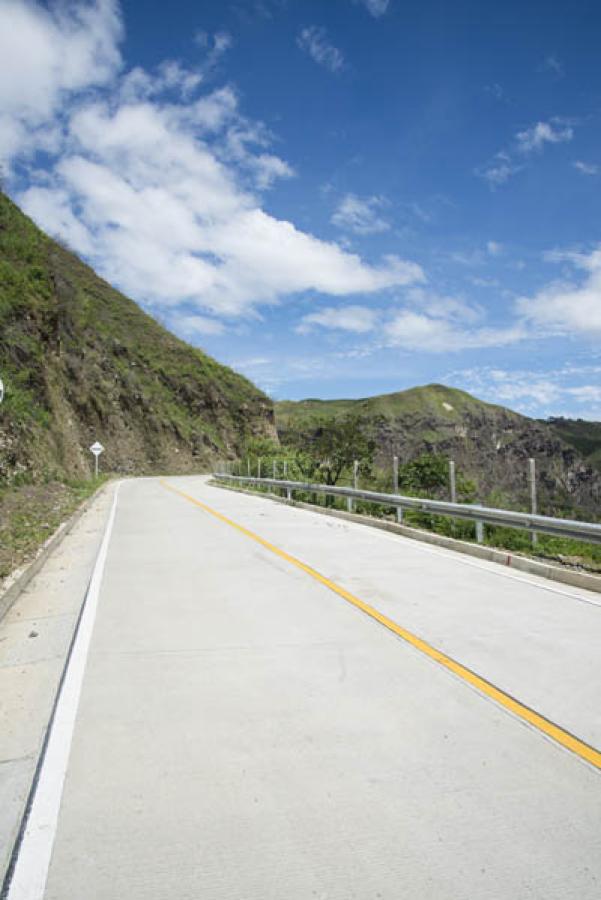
[476, 512]
[452, 481]
[533, 503]
[479, 528]
[350, 503]
[395, 486]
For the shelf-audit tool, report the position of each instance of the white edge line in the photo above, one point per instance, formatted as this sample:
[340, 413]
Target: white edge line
[33, 861]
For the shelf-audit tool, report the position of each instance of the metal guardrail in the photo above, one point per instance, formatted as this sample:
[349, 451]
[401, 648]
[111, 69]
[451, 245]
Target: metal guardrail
[567, 528]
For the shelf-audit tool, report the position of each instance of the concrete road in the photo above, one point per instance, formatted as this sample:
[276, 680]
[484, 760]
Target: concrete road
[243, 733]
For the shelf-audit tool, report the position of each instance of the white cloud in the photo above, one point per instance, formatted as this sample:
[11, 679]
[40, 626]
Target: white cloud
[586, 168]
[357, 319]
[484, 282]
[268, 168]
[496, 91]
[377, 8]
[53, 206]
[47, 54]
[554, 65]
[194, 326]
[542, 133]
[503, 166]
[314, 41]
[535, 392]
[568, 306]
[455, 309]
[158, 187]
[411, 330]
[498, 170]
[427, 323]
[360, 215]
[494, 248]
[216, 44]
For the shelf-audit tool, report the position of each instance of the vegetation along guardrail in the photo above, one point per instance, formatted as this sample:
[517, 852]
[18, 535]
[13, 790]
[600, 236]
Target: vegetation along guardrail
[566, 528]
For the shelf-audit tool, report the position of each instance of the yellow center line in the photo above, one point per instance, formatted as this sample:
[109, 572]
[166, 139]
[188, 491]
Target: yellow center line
[558, 734]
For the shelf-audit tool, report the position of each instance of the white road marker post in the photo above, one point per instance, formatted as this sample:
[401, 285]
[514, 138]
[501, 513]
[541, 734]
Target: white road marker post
[288, 490]
[395, 486]
[96, 449]
[452, 481]
[533, 502]
[351, 503]
[453, 488]
[479, 527]
[1, 390]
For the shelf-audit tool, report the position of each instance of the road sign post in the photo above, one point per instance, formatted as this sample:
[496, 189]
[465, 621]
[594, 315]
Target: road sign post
[96, 449]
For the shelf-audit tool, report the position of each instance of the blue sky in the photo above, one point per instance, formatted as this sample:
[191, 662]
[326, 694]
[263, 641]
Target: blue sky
[337, 198]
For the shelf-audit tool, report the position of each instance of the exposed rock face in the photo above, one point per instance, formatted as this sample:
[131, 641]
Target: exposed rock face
[493, 450]
[82, 362]
[490, 444]
[582, 434]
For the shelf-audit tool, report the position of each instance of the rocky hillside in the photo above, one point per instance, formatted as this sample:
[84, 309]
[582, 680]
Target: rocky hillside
[81, 362]
[490, 444]
[583, 435]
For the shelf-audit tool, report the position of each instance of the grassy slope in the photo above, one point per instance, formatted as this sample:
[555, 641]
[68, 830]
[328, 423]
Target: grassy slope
[424, 401]
[80, 361]
[490, 444]
[30, 513]
[585, 436]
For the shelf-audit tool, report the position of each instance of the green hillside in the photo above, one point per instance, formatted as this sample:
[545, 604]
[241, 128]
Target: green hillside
[437, 400]
[584, 436]
[490, 444]
[82, 362]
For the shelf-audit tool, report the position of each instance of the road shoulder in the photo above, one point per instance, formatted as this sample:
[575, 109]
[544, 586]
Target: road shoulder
[35, 636]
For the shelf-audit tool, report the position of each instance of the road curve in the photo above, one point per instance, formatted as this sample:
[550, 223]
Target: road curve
[244, 732]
